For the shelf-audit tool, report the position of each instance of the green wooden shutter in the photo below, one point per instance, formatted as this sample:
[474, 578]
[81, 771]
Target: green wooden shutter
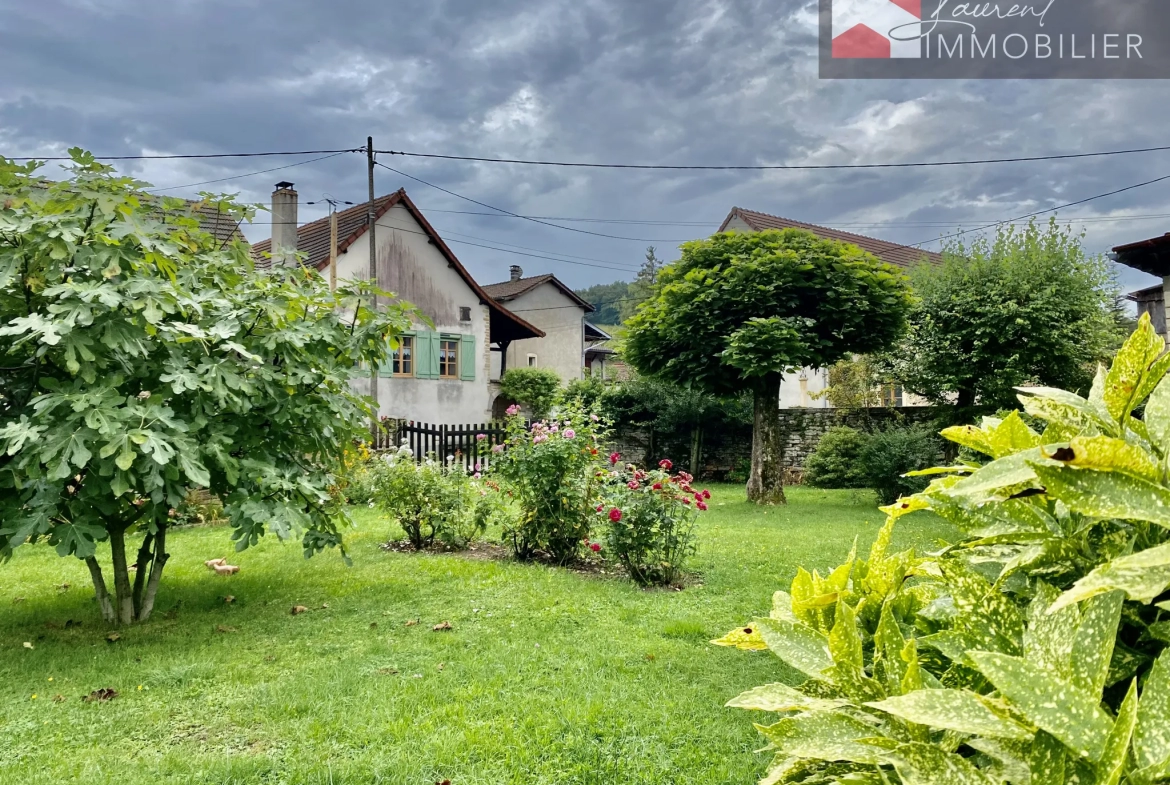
[467, 358]
[426, 355]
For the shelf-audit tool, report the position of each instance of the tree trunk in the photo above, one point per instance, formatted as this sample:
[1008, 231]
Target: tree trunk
[766, 484]
[99, 588]
[145, 554]
[696, 448]
[123, 594]
[156, 568]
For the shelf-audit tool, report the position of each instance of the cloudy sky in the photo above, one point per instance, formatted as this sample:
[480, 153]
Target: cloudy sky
[656, 81]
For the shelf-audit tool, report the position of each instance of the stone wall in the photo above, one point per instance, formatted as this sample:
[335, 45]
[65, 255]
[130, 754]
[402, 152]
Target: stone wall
[731, 449]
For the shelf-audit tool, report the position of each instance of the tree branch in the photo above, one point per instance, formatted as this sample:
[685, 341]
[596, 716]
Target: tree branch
[99, 587]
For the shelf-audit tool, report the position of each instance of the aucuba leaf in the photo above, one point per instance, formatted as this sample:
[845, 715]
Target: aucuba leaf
[1142, 576]
[1151, 739]
[1112, 764]
[925, 764]
[1106, 494]
[781, 697]
[824, 735]
[799, 645]
[957, 710]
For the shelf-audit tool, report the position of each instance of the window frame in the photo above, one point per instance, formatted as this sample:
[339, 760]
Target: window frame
[398, 360]
[533, 361]
[449, 369]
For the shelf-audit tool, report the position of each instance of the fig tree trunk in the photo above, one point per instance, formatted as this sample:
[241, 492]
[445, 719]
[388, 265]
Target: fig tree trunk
[130, 603]
[766, 483]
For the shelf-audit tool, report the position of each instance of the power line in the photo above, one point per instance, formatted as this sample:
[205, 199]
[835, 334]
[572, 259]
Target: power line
[769, 167]
[1042, 212]
[185, 156]
[249, 174]
[515, 215]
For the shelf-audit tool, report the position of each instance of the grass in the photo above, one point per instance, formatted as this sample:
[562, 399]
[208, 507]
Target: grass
[548, 676]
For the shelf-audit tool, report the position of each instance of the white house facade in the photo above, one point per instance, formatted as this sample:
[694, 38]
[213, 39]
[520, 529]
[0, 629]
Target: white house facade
[546, 303]
[441, 373]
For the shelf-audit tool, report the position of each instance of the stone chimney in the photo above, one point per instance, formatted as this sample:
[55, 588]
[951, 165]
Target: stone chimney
[516, 272]
[284, 225]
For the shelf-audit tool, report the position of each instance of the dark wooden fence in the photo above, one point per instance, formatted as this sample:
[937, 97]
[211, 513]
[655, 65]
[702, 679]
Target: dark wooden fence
[458, 442]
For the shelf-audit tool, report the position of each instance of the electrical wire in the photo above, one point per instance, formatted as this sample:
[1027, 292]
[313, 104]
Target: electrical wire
[249, 174]
[515, 215]
[172, 157]
[770, 167]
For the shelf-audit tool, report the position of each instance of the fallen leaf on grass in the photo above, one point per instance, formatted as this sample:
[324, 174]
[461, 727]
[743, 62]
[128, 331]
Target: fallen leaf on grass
[442, 626]
[324, 606]
[100, 695]
[298, 609]
[64, 587]
[58, 698]
[387, 671]
[229, 599]
[224, 628]
[373, 625]
[113, 637]
[28, 644]
[411, 622]
[17, 600]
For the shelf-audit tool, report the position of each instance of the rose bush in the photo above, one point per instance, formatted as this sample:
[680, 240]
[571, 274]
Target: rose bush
[552, 471]
[430, 500]
[652, 516]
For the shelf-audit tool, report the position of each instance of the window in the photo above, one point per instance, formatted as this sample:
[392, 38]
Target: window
[464, 313]
[448, 358]
[403, 362]
[892, 395]
[532, 361]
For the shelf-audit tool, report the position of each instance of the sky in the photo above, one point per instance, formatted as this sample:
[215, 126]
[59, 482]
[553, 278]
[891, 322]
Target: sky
[706, 82]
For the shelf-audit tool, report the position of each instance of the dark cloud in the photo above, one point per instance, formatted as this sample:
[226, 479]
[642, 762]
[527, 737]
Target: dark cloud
[661, 81]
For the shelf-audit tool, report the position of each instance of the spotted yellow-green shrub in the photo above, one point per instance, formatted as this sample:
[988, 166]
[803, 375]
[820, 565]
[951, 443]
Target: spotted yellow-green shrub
[1029, 652]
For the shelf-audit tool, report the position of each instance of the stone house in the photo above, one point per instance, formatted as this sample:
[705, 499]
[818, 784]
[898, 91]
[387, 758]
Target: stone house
[548, 304]
[800, 389]
[442, 372]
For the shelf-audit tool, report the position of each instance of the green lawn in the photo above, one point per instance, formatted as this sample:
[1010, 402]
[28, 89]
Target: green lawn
[547, 677]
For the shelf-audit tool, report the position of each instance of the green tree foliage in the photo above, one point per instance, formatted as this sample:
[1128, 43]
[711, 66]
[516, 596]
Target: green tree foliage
[140, 358]
[739, 310]
[1031, 651]
[536, 388]
[1027, 307]
[667, 410]
[608, 299]
[856, 383]
[836, 461]
[643, 285]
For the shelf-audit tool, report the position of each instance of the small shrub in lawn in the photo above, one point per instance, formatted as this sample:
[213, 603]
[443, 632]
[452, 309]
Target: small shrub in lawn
[431, 500]
[651, 516]
[199, 508]
[553, 472]
[836, 461]
[890, 453]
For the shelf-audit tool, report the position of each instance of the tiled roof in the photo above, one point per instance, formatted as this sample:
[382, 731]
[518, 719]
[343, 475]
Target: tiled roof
[313, 240]
[220, 225]
[510, 290]
[893, 253]
[313, 237]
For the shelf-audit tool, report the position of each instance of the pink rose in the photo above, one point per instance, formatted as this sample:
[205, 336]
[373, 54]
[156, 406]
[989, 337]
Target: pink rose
[497, 449]
[701, 505]
[614, 457]
[570, 434]
[665, 464]
[512, 410]
[632, 485]
[615, 515]
[479, 437]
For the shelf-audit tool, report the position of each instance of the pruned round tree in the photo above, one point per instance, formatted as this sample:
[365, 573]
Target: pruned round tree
[737, 311]
[141, 357]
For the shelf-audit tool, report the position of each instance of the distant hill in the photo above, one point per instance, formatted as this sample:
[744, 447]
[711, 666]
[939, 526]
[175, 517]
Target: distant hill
[608, 298]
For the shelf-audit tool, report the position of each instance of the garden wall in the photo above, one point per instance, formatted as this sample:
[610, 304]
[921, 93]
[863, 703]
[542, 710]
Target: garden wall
[730, 450]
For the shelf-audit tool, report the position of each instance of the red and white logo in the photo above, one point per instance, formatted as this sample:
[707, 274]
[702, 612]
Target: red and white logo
[877, 28]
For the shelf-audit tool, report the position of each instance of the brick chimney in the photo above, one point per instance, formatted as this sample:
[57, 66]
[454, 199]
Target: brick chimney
[516, 272]
[284, 224]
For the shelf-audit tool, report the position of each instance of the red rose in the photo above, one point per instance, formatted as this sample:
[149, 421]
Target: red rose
[595, 547]
[706, 494]
[657, 486]
[615, 515]
[614, 457]
[701, 505]
[686, 500]
[666, 464]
